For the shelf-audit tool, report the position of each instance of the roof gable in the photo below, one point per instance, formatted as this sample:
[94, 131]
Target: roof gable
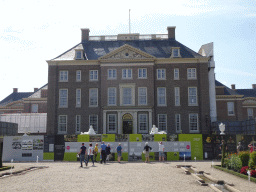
[126, 52]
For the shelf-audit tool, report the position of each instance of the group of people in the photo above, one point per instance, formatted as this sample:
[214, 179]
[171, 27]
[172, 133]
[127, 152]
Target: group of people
[147, 149]
[105, 150]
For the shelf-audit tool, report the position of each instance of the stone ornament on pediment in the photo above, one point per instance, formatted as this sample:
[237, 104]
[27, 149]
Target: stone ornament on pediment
[127, 54]
[249, 102]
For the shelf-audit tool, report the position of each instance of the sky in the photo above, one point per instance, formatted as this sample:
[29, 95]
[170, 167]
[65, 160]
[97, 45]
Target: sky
[33, 31]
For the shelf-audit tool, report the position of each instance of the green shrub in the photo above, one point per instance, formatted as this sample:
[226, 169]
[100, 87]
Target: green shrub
[252, 162]
[245, 157]
[236, 162]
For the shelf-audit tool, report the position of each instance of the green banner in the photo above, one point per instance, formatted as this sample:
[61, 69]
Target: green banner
[160, 137]
[135, 137]
[108, 137]
[196, 144]
[83, 138]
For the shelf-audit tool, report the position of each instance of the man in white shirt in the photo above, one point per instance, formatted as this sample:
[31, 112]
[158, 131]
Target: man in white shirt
[161, 152]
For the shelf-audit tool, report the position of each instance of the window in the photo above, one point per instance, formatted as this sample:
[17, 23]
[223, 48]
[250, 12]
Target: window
[127, 94]
[78, 75]
[63, 98]
[176, 74]
[111, 123]
[94, 122]
[250, 113]
[62, 125]
[162, 122]
[177, 96]
[161, 96]
[79, 54]
[112, 96]
[175, 52]
[161, 74]
[177, 123]
[127, 74]
[192, 96]
[193, 122]
[93, 97]
[143, 123]
[35, 108]
[142, 94]
[231, 109]
[78, 123]
[93, 75]
[63, 76]
[111, 73]
[78, 98]
[142, 73]
[192, 73]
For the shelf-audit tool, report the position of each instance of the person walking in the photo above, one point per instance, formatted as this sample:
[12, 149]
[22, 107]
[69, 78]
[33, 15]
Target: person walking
[108, 151]
[103, 152]
[161, 151]
[82, 153]
[90, 154]
[119, 150]
[147, 148]
[96, 152]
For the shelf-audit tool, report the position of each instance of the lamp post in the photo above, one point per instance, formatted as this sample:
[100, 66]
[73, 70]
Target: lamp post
[222, 129]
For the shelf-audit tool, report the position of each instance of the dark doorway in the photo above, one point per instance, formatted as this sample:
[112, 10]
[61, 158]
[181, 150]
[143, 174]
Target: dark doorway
[127, 127]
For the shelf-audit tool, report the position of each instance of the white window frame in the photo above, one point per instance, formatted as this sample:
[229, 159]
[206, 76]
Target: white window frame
[78, 75]
[191, 97]
[125, 73]
[176, 73]
[121, 87]
[177, 96]
[77, 57]
[65, 124]
[191, 73]
[141, 74]
[190, 123]
[177, 123]
[78, 97]
[161, 74]
[143, 122]
[78, 123]
[91, 97]
[92, 123]
[115, 123]
[111, 74]
[61, 99]
[34, 108]
[161, 96]
[111, 96]
[159, 123]
[231, 108]
[250, 113]
[63, 76]
[94, 76]
[173, 51]
[141, 97]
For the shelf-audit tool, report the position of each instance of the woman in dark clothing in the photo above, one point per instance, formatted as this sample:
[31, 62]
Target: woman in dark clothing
[108, 151]
[147, 148]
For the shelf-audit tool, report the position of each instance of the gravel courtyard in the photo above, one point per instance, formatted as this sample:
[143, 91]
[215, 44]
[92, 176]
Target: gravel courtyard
[155, 176]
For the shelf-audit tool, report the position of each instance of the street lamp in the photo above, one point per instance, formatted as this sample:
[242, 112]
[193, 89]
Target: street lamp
[222, 129]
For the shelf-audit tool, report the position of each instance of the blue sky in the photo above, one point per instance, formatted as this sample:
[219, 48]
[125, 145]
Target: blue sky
[35, 31]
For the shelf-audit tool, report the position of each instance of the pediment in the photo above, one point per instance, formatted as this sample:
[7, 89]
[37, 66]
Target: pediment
[127, 52]
[249, 102]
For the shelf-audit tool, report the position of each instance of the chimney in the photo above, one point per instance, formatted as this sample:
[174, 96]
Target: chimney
[85, 34]
[233, 86]
[15, 90]
[254, 86]
[35, 89]
[171, 32]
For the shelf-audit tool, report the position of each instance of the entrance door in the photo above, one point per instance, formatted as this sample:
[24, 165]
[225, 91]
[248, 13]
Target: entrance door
[127, 127]
[127, 124]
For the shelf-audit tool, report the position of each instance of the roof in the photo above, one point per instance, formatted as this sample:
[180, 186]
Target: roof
[157, 48]
[227, 91]
[247, 92]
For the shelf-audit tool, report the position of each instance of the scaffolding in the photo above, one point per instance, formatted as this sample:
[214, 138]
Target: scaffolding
[27, 122]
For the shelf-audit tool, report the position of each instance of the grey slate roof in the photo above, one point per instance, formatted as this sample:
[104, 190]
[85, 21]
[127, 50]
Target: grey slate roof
[158, 48]
[16, 96]
[247, 92]
[227, 91]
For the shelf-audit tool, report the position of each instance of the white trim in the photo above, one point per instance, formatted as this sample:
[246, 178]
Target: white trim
[158, 71]
[112, 78]
[63, 77]
[93, 79]
[79, 58]
[142, 73]
[97, 129]
[197, 130]
[139, 130]
[139, 96]
[230, 109]
[90, 97]
[126, 73]
[63, 106]
[176, 95]
[191, 74]
[112, 96]
[62, 132]
[162, 122]
[179, 128]
[192, 104]
[161, 105]
[176, 78]
[128, 85]
[78, 123]
[114, 122]
[78, 96]
[175, 48]
[77, 79]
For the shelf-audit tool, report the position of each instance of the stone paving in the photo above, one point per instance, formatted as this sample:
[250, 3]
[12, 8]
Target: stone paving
[154, 176]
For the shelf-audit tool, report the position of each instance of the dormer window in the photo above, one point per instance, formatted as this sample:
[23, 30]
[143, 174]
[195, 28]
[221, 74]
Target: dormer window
[175, 52]
[79, 54]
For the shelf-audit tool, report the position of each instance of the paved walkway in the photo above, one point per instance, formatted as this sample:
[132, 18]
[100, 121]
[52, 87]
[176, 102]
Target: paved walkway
[155, 176]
